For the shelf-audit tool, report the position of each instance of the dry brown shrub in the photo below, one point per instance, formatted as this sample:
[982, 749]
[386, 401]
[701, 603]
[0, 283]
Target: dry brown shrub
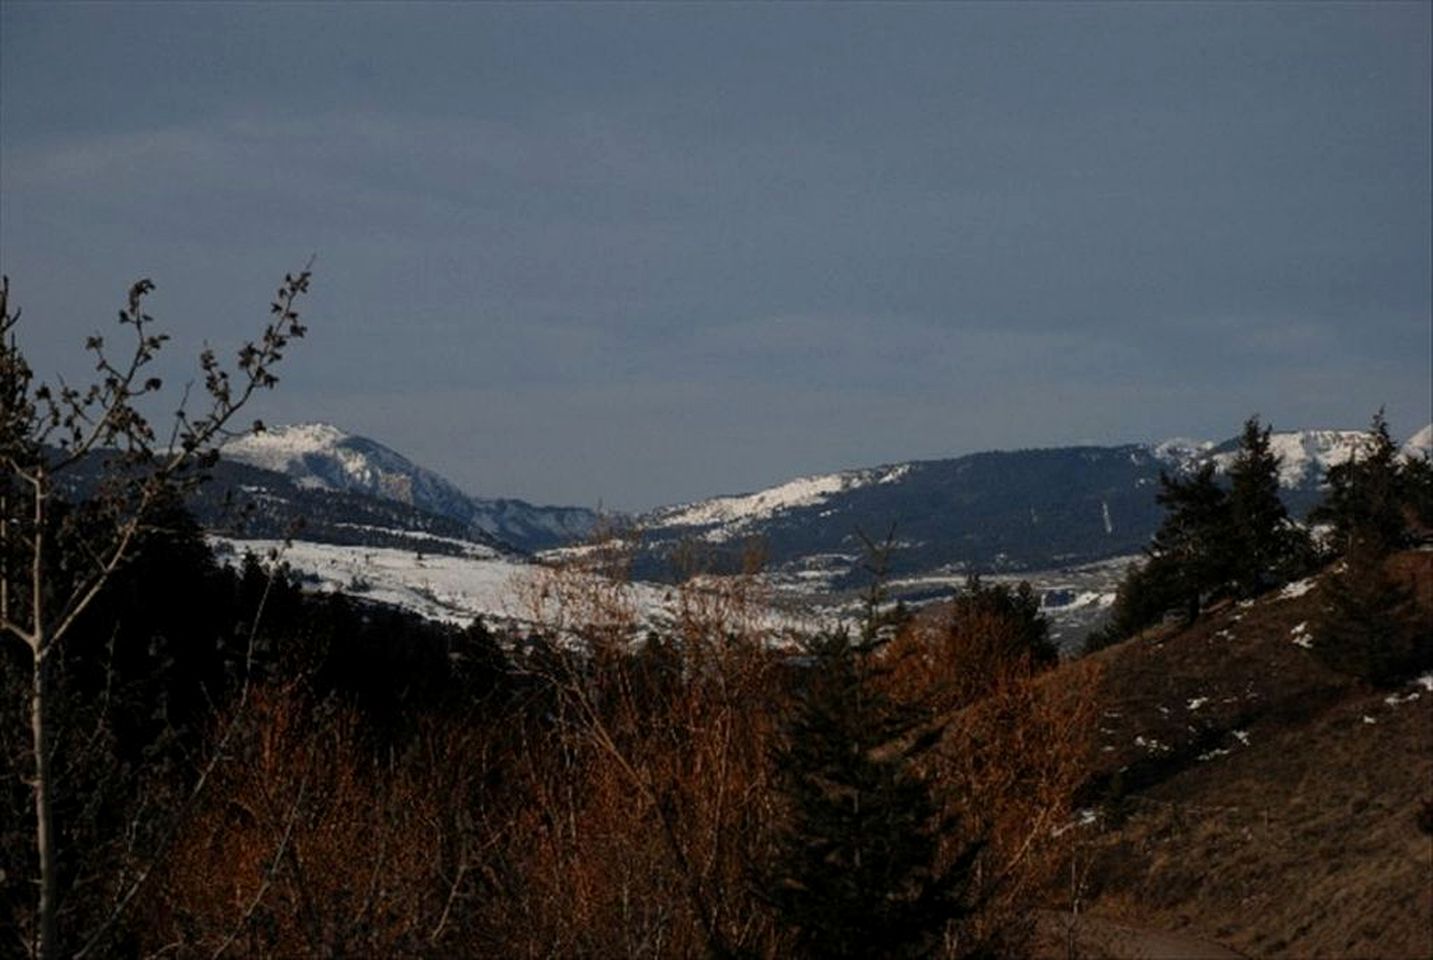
[308, 845]
[1015, 744]
[650, 789]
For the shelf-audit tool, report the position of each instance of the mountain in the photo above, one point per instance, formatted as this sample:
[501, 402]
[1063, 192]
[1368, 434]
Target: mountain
[1420, 444]
[321, 457]
[999, 513]
[994, 511]
[1008, 510]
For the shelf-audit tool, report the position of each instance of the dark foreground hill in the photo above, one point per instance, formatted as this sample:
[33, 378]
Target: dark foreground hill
[1246, 794]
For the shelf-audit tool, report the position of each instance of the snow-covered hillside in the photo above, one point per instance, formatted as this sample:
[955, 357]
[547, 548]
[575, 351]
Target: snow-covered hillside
[321, 456]
[996, 511]
[1420, 444]
[456, 589]
[732, 515]
[1304, 455]
[450, 588]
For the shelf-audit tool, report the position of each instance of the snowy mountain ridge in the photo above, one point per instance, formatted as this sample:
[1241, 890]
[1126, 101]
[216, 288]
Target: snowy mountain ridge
[998, 510]
[323, 457]
[737, 512]
[399, 533]
[1305, 456]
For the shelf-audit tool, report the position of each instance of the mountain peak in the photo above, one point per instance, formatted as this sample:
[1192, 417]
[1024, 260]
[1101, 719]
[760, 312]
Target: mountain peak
[275, 447]
[1420, 444]
[322, 456]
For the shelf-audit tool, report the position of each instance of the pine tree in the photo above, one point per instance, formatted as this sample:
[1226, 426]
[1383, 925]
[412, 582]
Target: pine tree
[1366, 493]
[1020, 607]
[1191, 547]
[1147, 591]
[1190, 557]
[1418, 493]
[856, 873]
[1369, 626]
[1266, 548]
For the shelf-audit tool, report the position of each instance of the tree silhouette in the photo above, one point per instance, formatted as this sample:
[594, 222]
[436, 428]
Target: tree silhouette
[857, 873]
[59, 560]
[1266, 548]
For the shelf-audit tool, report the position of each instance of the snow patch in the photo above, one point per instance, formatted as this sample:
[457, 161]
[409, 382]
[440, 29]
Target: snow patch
[277, 447]
[1297, 589]
[1182, 451]
[745, 509]
[1196, 703]
[438, 587]
[1301, 637]
[802, 492]
[1082, 818]
[1420, 444]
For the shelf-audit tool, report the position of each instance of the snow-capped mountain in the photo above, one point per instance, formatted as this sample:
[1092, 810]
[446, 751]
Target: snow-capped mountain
[1014, 510]
[321, 457]
[1067, 518]
[1304, 455]
[986, 511]
[1420, 444]
[729, 516]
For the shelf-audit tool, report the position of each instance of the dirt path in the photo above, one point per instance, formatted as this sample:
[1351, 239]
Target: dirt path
[1064, 935]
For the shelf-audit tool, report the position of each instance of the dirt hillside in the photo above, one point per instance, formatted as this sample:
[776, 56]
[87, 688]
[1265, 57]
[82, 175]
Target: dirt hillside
[1249, 796]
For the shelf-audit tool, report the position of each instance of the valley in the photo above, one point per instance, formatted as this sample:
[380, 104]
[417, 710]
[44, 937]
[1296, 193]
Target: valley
[363, 519]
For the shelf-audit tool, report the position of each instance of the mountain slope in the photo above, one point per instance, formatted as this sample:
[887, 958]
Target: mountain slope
[318, 456]
[1008, 510]
[1248, 794]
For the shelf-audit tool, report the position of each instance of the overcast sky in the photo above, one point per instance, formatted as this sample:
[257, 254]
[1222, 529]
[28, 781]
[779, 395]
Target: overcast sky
[642, 254]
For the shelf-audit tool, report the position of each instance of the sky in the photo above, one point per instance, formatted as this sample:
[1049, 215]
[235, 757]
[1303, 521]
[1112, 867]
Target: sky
[631, 255]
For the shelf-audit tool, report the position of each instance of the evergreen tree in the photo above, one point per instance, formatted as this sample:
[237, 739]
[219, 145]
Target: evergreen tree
[1190, 550]
[856, 873]
[1190, 557]
[1418, 493]
[1266, 548]
[1369, 625]
[1020, 607]
[1147, 591]
[1365, 495]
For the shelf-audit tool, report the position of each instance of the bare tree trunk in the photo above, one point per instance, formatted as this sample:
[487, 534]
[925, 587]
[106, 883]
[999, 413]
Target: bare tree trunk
[45, 946]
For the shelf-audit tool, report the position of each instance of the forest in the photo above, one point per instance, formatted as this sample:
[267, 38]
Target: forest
[204, 760]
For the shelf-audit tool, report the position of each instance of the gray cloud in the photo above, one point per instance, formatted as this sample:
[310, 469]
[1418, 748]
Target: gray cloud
[650, 253]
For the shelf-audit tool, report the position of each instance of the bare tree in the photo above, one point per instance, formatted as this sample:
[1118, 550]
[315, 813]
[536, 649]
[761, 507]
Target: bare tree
[50, 433]
[651, 798]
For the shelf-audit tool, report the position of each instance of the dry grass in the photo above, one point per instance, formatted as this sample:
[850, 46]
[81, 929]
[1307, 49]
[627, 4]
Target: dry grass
[1302, 842]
